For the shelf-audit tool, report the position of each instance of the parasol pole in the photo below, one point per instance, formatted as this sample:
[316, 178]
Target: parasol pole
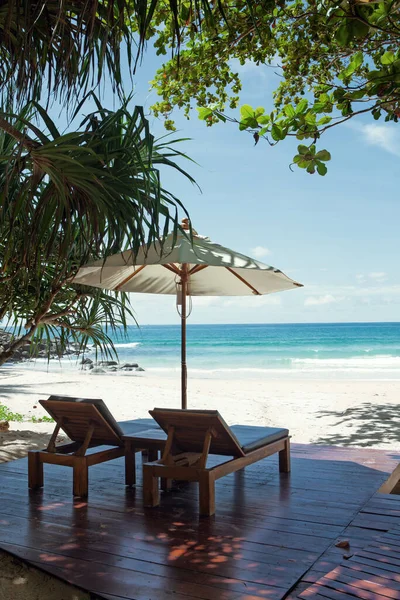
[184, 287]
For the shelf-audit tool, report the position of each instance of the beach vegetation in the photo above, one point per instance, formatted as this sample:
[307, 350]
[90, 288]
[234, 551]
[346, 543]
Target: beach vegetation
[43, 419]
[7, 415]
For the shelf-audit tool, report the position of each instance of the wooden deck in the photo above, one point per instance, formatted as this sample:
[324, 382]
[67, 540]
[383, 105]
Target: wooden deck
[272, 536]
[372, 571]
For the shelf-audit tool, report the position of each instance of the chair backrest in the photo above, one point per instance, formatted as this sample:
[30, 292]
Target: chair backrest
[191, 426]
[77, 414]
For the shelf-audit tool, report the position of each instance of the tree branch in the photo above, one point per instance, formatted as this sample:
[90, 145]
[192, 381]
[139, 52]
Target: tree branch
[6, 354]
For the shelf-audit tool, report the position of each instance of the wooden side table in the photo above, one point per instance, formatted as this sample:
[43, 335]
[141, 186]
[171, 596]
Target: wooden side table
[152, 440]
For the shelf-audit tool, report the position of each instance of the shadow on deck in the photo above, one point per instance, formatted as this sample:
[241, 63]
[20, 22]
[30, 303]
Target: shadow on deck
[269, 531]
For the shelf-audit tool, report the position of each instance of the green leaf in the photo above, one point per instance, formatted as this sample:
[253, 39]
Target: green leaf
[323, 155]
[324, 120]
[311, 168]
[301, 149]
[359, 29]
[301, 106]
[388, 58]
[259, 111]
[246, 111]
[204, 112]
[277, 133]
[321, 168]
[249, 122]
[300, 161]
[357, 95]
[289, 111]
[319, 107]
[310, 118]
[263, 120]
[343, 34]
[354, 64]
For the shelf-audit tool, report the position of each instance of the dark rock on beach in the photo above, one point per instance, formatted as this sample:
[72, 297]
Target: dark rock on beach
[110, 366]
[86, 361]
[53, 350]
[107, 363]
[29, 351]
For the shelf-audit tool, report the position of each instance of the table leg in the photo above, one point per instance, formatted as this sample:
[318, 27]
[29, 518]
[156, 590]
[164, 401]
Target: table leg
[130, 465]
[166, 484]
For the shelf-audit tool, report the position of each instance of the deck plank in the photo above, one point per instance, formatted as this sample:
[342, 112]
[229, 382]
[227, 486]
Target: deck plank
[270, 531]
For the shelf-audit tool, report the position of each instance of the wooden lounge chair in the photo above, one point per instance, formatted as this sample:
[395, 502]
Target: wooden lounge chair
[192, 436]
[89, 424]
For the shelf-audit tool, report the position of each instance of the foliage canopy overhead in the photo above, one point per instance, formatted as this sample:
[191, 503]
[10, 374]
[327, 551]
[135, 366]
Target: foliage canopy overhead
[336, 59]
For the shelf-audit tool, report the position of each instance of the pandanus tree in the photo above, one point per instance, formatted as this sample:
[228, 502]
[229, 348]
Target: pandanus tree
[70, 197]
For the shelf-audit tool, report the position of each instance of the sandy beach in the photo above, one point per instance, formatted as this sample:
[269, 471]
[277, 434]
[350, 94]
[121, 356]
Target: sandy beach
[344, 412]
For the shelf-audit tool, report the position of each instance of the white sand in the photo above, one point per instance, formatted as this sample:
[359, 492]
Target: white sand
[345, 412]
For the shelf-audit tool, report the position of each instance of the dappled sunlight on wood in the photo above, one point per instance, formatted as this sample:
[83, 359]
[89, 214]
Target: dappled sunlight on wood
[50, 506]
[70, 546]
[267, 534]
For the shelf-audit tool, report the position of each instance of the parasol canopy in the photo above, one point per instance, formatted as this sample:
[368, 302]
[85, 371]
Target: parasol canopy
[185, 265]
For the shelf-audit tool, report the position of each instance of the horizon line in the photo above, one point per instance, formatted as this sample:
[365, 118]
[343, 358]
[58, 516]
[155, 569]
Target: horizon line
[266, 323]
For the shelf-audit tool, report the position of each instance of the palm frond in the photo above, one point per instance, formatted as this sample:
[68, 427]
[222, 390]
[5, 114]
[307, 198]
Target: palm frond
[63, 48]
[67, 199]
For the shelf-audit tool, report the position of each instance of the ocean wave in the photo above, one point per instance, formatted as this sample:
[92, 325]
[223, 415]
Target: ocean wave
[379, 361]
[196, 370]
[361, 364]
[127, 345]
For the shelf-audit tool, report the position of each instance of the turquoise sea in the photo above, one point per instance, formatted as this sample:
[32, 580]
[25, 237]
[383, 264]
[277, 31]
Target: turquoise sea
[339, 350]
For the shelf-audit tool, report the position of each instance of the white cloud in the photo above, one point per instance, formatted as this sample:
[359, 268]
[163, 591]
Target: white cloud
[379, 276]
[354, 291]
[382, 136]
[260, 252]
[320, 300]
[249, 67]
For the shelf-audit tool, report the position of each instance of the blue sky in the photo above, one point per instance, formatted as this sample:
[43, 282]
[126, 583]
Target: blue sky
[338, 235]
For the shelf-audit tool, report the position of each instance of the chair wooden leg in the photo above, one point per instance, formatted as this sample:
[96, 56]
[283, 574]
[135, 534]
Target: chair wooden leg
[207, 494]
[284, 458]
[35, 470]
[151, 492]
[130, 466]
[80, 477]
[166, 484]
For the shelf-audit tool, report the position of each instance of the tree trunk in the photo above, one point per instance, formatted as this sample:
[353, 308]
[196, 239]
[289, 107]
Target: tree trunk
[4, 356]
